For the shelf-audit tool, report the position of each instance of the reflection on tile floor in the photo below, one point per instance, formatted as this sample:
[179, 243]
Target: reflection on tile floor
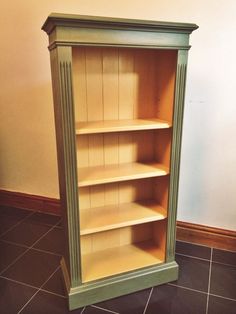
[31, 245]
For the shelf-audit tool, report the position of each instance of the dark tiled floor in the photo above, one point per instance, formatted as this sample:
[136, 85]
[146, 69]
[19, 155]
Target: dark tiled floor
[31, 280]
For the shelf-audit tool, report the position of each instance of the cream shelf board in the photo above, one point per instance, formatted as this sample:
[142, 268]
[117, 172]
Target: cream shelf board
[121, 259]
[120, 125]
[122, 215]
[119, 172]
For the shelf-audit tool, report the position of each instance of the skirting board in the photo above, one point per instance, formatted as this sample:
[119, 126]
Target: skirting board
[210, 236]
[189, 232]
[30, 202]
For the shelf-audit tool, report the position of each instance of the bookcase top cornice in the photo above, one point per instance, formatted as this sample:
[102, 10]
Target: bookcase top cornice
[72, 20]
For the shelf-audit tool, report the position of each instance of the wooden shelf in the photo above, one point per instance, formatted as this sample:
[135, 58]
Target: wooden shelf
[120, 125]
[121, 172]
[116, 216]
[118, 260]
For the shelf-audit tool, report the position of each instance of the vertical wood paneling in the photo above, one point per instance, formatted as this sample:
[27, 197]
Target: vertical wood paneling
[97, 197]
[94, 84]
[126, 148]
[84, 198]
[126, 84]
[143, 189]
[165, 83]
[122, 83]
[105, 240]
[163, 145]
[118, 237]
[82, 151]
[86, 244]
[161, 189]
[144, 146]
[111, 149]
[110, 83]
[126, 192]
[96, 150]
[144, 83]
[159, 234]
[112, 193]
[80, 85]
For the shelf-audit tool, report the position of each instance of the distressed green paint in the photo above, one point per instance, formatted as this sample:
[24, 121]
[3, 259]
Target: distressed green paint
[72, 20]
[65, 32]
[61, 59]
[175, 152]
[115, 37]
[73, 30]
[123, 284]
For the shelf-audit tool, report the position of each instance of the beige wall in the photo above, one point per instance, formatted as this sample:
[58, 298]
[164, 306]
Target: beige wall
[27, 138]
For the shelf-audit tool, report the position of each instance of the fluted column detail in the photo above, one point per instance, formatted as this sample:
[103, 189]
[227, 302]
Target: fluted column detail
[175, 152]
[61, 59]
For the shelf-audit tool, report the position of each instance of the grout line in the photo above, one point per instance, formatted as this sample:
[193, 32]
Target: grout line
[24, 306]
[219, 296]
[53, 227]
[207, 260]
[83, 310]
[209, 283]
[149, 297]
[194, 290]
[18, 223]
[231, 265]
[13, 262]
[101, 308]
[27, 247]
[48, 252]
[182, 287]
[26, 251]
[19, 282]
[204, 245]
[14, 243]
[28, 302]
[196, 244]
[54, 293]
[216, 248]
[58, 267]
[200, 258]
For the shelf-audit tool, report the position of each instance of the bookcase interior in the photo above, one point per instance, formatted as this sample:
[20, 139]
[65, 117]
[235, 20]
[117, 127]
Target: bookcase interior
[123, 110]
[123, 84]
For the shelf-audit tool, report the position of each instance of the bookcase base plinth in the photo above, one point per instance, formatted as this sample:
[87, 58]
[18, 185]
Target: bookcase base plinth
[116, 286]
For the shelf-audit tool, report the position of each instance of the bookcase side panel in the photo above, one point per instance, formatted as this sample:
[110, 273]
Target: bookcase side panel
[175, 151]
[61, 64]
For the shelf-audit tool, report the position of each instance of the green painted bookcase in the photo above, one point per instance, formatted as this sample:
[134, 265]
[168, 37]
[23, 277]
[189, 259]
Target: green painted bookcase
[118, 89]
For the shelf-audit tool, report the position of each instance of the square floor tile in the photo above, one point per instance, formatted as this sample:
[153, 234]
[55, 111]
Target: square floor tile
[191, 249]
[53, 241]
[193, 273]
[9, 252]
[168, 299]
[46, 303]
[132, 303]
[221, 306]
[13, 296]
[223, 280]
[55, 284]
[7, 223]
[225, 257]
[26, 233]
[33, 268]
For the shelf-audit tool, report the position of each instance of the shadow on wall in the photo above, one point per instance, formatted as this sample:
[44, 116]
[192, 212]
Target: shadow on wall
[27, 139]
